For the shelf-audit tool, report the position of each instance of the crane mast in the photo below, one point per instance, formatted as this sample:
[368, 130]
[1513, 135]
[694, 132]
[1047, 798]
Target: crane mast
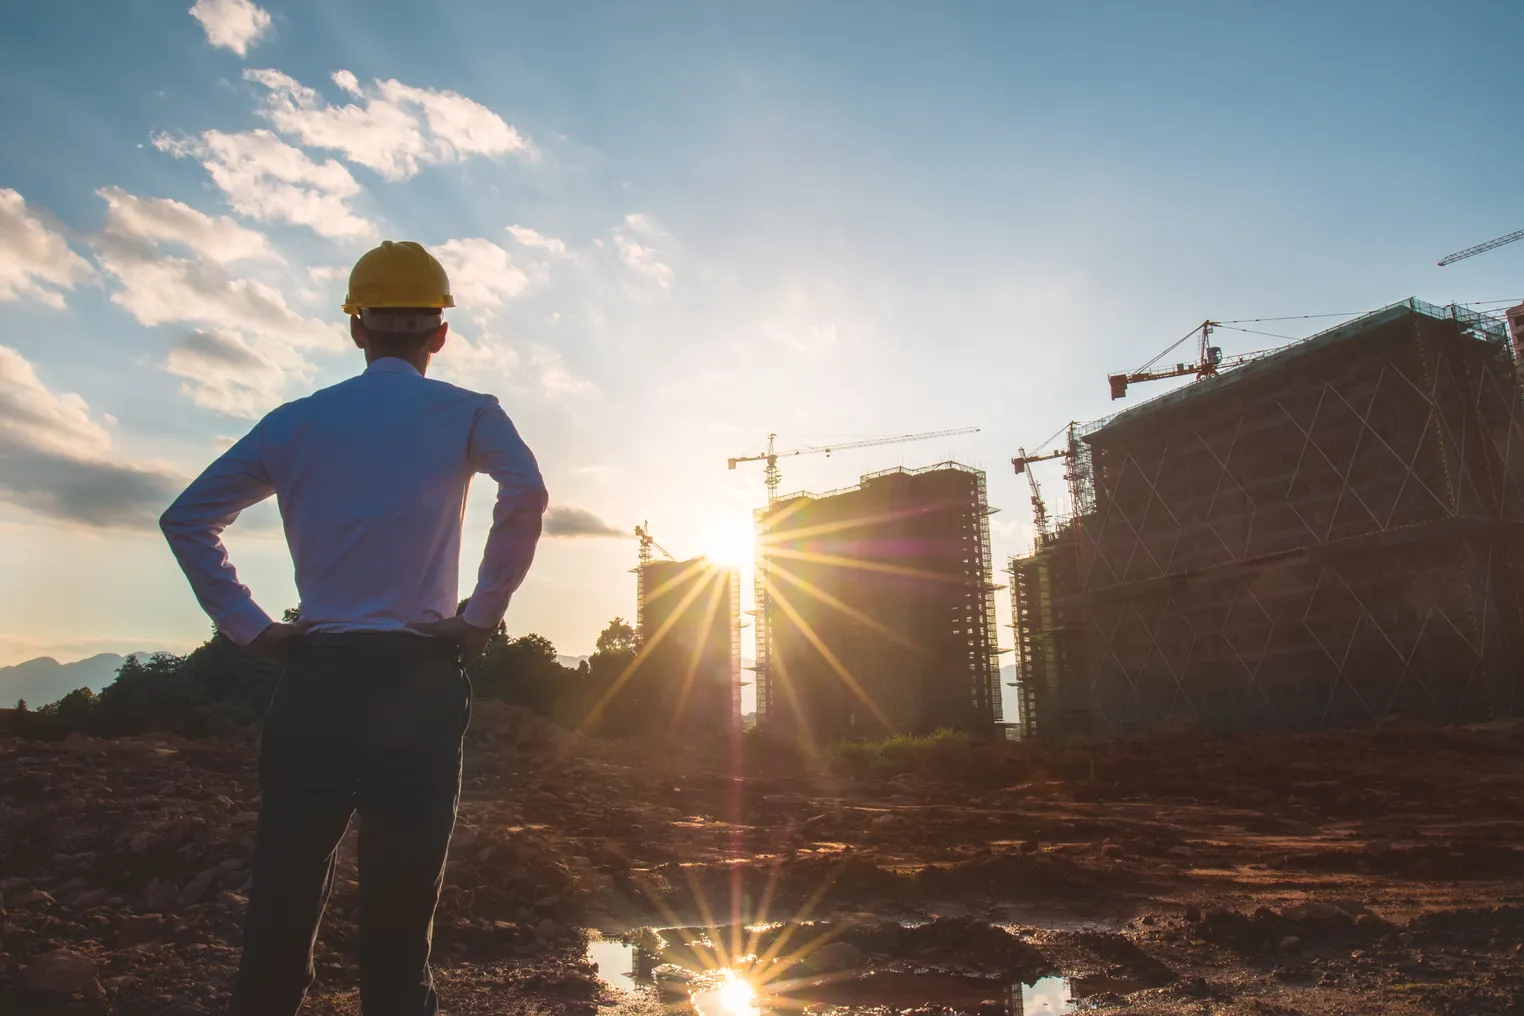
[647, 542]
[1039, 507]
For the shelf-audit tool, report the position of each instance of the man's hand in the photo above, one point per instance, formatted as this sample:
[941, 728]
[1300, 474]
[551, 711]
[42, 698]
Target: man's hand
[471, 639]
[275, 642]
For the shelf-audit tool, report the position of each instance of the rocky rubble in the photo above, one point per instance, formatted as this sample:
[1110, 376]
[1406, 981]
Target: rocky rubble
[1368, 872]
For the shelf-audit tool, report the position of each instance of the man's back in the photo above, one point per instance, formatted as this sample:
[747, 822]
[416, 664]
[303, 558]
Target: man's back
[371, 477]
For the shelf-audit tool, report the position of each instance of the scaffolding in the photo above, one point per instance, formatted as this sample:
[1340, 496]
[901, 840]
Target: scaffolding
[762, 658]
[1323, 537]
[876, 610]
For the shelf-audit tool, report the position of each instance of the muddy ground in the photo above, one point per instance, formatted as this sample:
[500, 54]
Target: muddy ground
[1372, 872]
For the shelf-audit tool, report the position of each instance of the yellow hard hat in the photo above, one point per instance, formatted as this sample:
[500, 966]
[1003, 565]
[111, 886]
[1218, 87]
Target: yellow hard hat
[398, 274]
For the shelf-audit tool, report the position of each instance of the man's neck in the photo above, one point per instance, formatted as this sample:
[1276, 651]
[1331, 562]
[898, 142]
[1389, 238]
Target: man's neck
[419, 363]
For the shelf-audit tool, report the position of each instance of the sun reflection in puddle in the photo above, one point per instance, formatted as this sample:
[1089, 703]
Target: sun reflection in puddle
[725, 992]
[734, 996]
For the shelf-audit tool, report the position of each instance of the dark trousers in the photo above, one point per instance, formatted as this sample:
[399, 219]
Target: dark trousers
[367, 722]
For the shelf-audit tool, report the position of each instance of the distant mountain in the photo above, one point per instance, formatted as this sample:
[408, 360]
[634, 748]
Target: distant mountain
[569, 661]
[45, 680]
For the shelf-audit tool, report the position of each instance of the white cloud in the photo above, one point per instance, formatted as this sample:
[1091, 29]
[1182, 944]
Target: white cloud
[231, 24]
[223, 372]
[530, 238]
[56, 461]
[644, 258]
[553, 376]
[482, 274]
[218, 238]
[640, 222]
[35, 260]
[269, 180]
[250, 344]
[483, 363]
[395, 129]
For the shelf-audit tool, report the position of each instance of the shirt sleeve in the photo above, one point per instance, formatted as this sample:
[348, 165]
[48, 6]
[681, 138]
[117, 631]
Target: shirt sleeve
[193, 526]
[498, 451]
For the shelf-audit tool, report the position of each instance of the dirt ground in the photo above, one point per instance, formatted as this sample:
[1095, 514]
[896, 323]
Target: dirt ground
[1370, 872]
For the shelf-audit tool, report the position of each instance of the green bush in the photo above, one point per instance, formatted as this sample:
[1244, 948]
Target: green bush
[941, 753]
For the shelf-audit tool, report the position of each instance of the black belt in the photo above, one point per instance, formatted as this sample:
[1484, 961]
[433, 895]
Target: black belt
[404, 642]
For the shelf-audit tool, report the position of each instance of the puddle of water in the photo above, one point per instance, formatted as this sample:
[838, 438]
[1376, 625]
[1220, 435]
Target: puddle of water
[617, 963]
[1045, 996]
[628, 970]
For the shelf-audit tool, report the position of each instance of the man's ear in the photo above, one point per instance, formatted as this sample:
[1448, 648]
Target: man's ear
[438, 341]
[357, 331]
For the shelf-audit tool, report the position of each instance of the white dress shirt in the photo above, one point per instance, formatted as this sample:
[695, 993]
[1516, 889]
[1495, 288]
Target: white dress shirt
[371, 478]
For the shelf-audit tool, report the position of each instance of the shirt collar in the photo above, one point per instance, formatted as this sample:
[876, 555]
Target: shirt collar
[391, 365]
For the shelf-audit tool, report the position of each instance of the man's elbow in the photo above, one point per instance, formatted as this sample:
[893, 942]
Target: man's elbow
[175, 523]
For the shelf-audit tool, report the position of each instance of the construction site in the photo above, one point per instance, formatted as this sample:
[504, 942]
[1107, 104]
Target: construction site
[1323, 536]
[1320, 537]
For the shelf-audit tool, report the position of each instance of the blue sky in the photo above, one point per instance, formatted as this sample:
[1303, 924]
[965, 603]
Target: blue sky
[825, 220]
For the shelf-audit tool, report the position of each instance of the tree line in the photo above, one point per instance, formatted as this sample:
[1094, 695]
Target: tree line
[220, 687]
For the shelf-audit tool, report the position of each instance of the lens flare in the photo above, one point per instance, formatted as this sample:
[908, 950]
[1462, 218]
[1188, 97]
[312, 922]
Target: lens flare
[737, 996]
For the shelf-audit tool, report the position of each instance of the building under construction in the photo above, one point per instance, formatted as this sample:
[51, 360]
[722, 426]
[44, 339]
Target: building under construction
[688, 628]
[875, 608]
[1326, 536]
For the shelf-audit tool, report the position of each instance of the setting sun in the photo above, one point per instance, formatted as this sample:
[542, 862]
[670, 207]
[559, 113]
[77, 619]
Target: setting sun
[727, 542]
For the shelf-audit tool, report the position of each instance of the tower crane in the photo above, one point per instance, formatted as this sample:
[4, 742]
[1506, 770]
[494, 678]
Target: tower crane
[1481, 248]
[1039, 508]
[1209, 362]
[647, 542]
[772, 476]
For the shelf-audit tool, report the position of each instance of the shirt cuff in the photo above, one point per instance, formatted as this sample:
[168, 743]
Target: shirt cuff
[246, 625]
[481, 615]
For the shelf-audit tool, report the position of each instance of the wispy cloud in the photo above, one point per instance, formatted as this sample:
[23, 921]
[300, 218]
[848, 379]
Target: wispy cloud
[218, 238]
[394, 128]
[532, 238]
[271, 181]
[232, 24]
[482, 274]
[56, 461]
[638, 239]
[35, 259]
[553, 375]
[567, 521]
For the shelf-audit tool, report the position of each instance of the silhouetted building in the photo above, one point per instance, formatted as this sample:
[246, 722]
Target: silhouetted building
[1323, 537]
[690, 668]
[876, 611]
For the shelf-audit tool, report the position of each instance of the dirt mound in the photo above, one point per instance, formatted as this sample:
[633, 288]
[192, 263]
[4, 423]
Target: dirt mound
[1267, 930]
[951, 944]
